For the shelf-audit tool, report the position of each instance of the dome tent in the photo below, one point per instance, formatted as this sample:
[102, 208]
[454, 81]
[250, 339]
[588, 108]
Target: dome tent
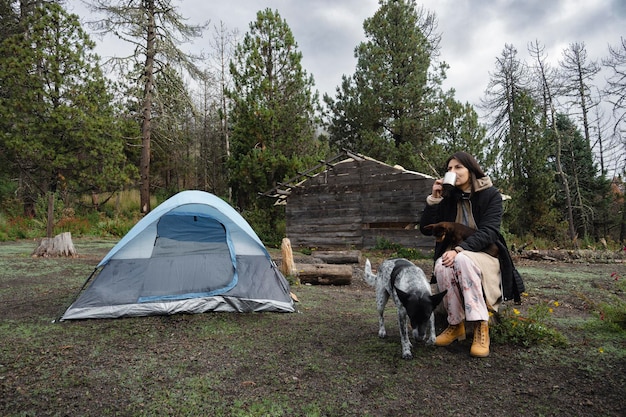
[192, 254]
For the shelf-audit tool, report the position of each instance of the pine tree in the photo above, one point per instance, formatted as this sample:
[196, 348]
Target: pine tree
[459, 129]
[590, 190]
[273, 115]
[59, 127]
[387, 107]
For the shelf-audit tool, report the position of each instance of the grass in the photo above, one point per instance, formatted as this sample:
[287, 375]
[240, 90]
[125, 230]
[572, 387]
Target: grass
[325, 360]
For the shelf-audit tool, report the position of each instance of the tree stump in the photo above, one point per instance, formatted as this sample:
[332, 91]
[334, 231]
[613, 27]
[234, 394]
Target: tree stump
[324, 274]
[60, 245]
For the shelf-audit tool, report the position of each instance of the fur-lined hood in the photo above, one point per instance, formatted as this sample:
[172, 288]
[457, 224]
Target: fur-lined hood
[480, 184]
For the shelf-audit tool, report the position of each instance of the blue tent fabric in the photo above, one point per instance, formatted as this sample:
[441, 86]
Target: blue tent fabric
[193, 253]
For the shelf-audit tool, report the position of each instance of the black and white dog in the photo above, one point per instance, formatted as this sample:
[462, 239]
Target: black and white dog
[410, 289]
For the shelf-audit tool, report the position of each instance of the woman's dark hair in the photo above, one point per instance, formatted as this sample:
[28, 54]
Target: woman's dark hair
[468, 162]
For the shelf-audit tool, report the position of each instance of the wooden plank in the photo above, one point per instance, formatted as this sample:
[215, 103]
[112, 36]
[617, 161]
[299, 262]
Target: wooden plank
[324, 242]
[321, 218]
[323, 228]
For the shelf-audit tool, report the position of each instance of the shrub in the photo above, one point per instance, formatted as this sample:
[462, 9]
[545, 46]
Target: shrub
[514, 328]
[21, 228]
[76, 226]
[399, 251]
[117, 227]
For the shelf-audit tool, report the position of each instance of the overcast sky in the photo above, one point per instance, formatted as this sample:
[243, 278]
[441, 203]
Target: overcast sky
[473, 32]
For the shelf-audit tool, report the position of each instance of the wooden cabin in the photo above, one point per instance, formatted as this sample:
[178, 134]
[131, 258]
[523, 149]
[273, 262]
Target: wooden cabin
[354, 202]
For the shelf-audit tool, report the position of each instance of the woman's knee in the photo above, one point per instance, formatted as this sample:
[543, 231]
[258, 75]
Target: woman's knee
[463, 262]
[443, 274]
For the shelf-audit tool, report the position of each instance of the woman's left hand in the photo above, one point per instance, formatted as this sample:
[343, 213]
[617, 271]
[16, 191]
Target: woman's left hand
[447, 259]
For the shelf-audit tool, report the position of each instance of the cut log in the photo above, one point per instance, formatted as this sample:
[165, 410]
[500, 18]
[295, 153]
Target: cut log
[287, 266]
[338, 256]
[60, 245]
[324, 274]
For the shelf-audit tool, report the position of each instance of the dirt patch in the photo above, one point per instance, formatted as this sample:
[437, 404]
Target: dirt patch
[325, 360]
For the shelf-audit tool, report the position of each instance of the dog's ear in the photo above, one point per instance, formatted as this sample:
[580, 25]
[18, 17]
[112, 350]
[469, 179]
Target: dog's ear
[403, 296]
[436, 299]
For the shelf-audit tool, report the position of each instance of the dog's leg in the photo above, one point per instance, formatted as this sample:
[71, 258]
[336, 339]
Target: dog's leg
[404, 333]
[382, 296]
[429, 334]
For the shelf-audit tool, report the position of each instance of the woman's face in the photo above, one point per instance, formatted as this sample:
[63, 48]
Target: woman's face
[462, 174]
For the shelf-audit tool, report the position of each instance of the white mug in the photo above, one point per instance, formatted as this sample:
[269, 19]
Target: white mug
[449, 180]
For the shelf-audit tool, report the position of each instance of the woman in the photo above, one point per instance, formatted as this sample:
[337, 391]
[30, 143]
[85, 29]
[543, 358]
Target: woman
[476, 282]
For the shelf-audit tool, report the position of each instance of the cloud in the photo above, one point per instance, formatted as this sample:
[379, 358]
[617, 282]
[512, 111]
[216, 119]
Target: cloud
[474, 32]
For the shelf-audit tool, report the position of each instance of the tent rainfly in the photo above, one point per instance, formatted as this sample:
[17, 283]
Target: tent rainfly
[192, 254]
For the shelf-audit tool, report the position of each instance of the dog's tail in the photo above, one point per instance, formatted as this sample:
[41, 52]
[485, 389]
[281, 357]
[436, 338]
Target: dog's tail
[369, 277]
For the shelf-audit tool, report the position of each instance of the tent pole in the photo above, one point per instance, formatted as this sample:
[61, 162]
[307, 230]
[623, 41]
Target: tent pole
[77, 294]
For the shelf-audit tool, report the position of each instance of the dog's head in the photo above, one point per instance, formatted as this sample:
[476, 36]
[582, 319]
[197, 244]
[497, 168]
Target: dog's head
[440, 230]
[419, 308]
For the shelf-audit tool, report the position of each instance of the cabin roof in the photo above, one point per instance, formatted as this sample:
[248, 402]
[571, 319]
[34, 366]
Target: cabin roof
[283, 189]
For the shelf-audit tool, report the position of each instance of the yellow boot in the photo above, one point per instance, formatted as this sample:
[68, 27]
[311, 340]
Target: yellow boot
[480, 345]
[452, 333]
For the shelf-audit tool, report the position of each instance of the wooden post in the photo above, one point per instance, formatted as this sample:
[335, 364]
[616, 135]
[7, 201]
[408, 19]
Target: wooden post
[287, 267]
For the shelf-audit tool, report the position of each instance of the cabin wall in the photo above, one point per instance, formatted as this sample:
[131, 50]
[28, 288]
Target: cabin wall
[355, 204]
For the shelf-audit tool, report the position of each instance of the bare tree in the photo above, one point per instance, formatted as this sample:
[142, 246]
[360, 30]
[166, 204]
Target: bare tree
[615, 91]
[155, 29]
[578, 74]
[223, 45]
[548, 78]
[506, 84]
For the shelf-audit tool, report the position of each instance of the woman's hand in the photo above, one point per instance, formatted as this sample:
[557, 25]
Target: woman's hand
[447, 259]
[437, 188]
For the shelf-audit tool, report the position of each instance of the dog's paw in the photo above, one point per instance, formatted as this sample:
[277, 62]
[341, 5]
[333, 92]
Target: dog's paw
[407, 355]
[382, 333]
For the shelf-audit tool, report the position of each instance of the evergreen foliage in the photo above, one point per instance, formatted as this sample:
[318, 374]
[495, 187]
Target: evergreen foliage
[59, 127]
[273, 114]
[590, 191]
[393, 108]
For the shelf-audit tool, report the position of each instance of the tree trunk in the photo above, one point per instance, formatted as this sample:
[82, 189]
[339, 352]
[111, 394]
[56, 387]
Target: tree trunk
[50, 219]
[324, 274]
[622, 230]
[60, 245]
[146, 128]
